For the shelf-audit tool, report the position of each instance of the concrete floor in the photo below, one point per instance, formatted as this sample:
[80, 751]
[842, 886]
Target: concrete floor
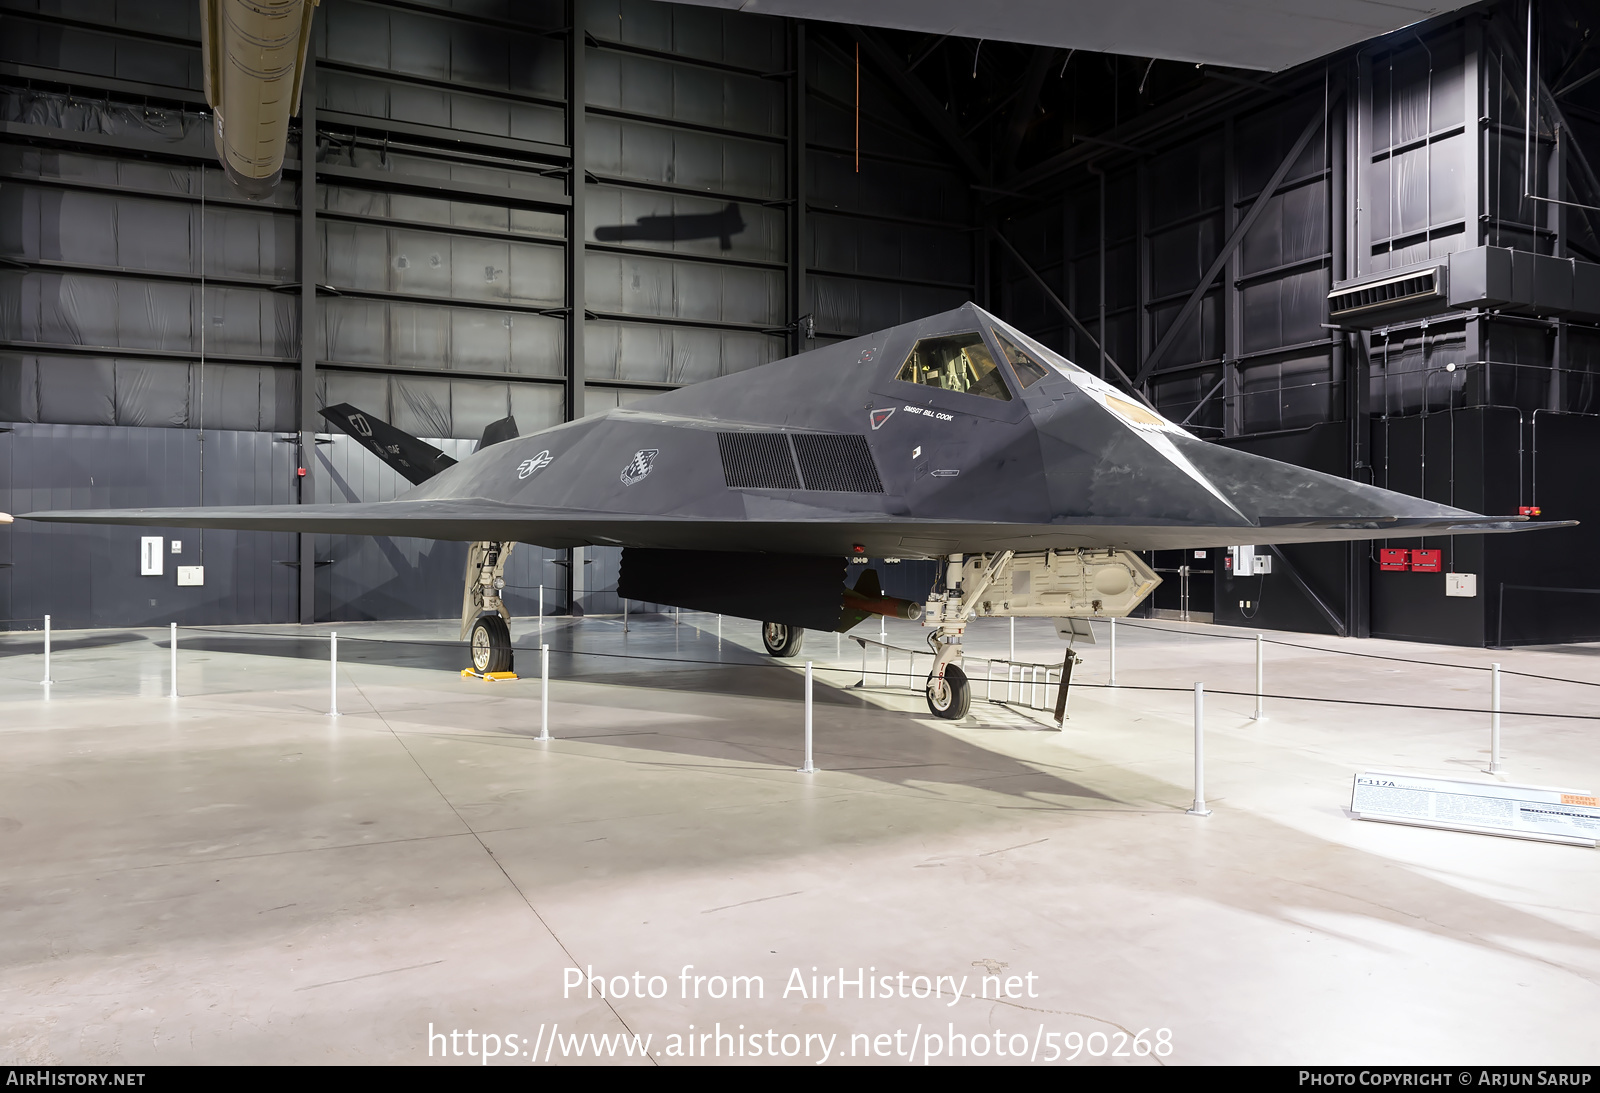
[234, 876]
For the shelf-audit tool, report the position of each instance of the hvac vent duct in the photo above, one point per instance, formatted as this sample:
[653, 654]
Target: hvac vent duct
[841, 462]
[1418, 292]
[1480, 278]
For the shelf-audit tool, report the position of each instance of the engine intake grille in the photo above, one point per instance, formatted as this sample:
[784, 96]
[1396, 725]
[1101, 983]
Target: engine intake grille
[838, 461]
[841, 462]
[757, 461]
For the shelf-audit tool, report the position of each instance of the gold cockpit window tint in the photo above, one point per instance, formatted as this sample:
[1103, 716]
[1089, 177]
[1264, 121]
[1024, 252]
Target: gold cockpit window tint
[1028, 370]
[956, 362]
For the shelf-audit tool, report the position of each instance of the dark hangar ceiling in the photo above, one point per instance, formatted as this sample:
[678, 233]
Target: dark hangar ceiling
[1262, 34]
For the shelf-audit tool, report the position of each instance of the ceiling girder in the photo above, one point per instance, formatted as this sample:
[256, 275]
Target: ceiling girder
[1257, 207]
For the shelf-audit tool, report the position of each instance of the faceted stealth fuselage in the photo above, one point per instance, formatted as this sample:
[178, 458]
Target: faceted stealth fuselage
[830, 453]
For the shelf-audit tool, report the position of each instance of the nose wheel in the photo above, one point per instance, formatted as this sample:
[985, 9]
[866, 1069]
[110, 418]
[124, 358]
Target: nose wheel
[949, 696]
[781, 639]
[491, 645]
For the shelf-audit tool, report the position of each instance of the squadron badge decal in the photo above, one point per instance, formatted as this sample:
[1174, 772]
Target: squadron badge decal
[639, 466]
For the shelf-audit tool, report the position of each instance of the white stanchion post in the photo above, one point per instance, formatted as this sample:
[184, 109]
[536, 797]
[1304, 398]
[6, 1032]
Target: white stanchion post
[863, 664]
[541, 609]
[333, 674]
[1261, 713]
[544, 692]
[807, 768]
[624, 615]
[1199, 808]
[1494, 720]
[47, 678]
[675, 612]
[1112, 682]
[1013, 637]
[172, 645]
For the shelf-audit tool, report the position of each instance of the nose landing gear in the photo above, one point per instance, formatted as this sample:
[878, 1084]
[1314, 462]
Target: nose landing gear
[949, 694]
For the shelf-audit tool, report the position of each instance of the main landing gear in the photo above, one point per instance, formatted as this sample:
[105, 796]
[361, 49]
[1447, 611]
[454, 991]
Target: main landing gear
[781, 639]
[491, 645]
[483, 613]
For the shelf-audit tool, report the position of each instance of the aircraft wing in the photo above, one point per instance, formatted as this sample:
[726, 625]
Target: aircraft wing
[472, 519]
[847, 451]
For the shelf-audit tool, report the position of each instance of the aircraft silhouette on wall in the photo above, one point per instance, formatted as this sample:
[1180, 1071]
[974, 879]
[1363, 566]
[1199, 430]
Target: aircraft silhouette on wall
[721, 226]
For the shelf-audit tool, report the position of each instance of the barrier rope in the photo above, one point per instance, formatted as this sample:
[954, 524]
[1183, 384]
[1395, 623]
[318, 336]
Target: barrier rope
[853, 671]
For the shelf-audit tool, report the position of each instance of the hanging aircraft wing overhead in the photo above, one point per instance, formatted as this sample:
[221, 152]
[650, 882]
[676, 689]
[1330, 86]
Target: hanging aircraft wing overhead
[955, 434]
[1261, 34]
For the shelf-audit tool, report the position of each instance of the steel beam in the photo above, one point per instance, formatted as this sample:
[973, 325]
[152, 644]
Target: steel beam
[1316, 601]
[1257, 207]
[1027, 103]
[310, 261]
[921, 98]
[576, 296]
[1350, 364]
[576, 226]
[1056, 301]
[799, 292]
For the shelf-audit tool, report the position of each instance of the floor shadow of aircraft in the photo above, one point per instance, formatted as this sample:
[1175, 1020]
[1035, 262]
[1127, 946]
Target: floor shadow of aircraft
[722, 226]
[658, 656]
[31, 643]
[695, 664]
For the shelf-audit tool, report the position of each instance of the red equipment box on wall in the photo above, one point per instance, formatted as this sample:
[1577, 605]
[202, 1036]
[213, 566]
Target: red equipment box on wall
[1427, 561]
[1396, 561]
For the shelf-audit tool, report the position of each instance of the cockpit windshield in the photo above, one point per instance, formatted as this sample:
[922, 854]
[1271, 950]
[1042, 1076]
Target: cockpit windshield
[955, 362]
[1039, 354]
[1028, 370]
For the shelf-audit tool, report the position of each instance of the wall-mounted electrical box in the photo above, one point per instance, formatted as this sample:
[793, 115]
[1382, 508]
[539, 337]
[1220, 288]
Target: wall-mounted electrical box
[1391, 560]
[1263, 564]
[1427, 561]
[191, 575]
[150, 556]
[1242, 561]
[1461, 584]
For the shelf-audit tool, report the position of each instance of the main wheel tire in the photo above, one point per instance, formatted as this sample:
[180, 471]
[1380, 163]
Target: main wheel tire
[781, 639]
[950, 697]
[491, 645]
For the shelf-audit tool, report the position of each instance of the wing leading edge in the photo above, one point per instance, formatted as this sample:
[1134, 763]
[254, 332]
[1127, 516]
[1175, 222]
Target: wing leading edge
[468, 520]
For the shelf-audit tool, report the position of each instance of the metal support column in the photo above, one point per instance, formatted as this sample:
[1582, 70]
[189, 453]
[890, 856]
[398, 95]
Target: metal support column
[799, 293]
[1350, 366]
[576, 296]
[1232, 308]
[310, 267]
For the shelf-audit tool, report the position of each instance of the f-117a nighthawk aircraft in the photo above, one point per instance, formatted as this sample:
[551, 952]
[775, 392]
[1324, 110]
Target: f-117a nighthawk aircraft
[955, 437]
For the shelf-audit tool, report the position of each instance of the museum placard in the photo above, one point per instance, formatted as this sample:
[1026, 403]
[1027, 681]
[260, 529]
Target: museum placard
[1489, 808]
